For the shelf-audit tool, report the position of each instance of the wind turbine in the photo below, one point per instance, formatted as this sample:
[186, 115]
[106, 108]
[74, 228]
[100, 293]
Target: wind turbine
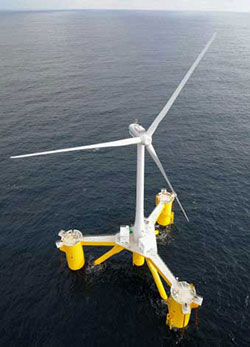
[142, 241]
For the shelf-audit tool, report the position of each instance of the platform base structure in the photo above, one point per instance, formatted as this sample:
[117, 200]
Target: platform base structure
[182, 298]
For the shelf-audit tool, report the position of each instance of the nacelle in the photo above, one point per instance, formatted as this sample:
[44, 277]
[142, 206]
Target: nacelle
[136, 130]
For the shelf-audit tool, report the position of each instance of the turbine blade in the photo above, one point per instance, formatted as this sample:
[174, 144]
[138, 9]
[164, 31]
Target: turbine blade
[119, 143]
[154, 156]
[174, 96]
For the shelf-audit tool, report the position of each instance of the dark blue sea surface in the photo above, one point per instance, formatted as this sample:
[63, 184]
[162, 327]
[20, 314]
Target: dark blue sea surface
[72, 78]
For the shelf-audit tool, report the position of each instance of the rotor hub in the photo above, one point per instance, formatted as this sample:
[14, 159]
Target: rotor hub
[146, 139]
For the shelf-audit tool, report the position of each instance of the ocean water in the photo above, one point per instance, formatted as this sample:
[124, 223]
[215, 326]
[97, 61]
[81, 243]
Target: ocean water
[71, 78]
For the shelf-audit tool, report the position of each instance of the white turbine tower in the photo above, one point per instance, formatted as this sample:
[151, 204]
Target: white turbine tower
[143, 239]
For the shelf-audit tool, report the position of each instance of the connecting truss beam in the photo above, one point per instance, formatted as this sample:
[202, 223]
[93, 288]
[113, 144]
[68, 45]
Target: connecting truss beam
[157, 280]
[163, 269]
[116, 249]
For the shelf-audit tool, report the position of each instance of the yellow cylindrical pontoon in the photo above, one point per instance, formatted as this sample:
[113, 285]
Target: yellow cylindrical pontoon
[74, 255]
[71, 244]
[182, 299]
[167, 215]
[138, 260]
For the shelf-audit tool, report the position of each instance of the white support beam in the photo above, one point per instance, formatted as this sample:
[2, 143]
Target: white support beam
[163, 269]
[156, 213]
[99, 239]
